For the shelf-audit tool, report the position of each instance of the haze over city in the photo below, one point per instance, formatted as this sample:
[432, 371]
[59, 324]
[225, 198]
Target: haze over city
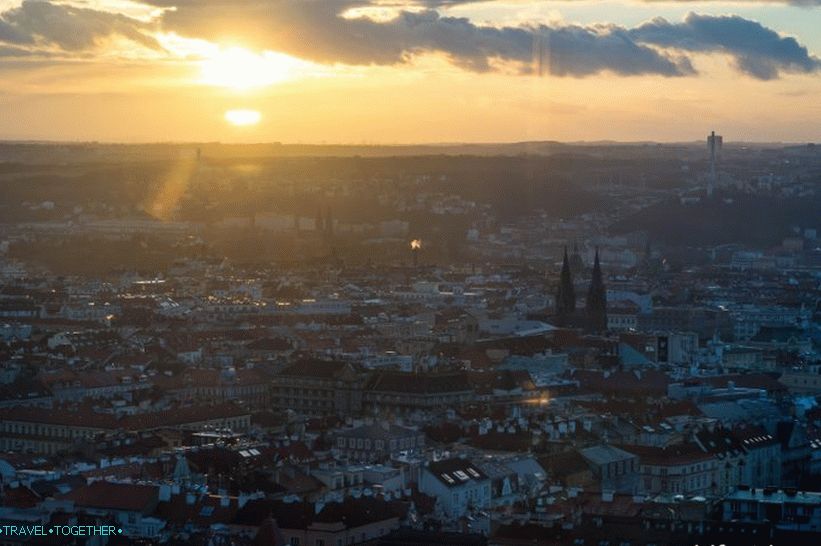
[378, 71]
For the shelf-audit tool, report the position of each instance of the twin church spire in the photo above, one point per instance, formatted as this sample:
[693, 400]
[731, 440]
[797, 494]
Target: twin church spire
[595, 312]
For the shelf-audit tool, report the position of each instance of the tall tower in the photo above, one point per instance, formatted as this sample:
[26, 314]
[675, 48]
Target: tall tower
[714, 143]
[565, 294]
[596, 307]
[576, 262]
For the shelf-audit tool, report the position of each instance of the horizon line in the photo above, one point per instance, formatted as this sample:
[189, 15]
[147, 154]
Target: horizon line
[43, 141]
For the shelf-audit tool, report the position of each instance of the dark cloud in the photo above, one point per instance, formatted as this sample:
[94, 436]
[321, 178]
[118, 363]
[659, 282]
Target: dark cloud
[66, 27]
[579, 51]
[448, 3]
[801, 3]
[758, 51]
[314, 29]
[12, 51]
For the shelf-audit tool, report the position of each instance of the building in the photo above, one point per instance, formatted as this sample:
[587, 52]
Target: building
[458, 484]
[596, 304]
[565, 294]
[131, 505]
[787, 509]
[763, 464]
[728, 450]
[714, 145]
[318, 387]
[704, 321]
[56, 430]
[680, 469]
[397, 392]
[352, 521]
[615, 469]
[376, 442]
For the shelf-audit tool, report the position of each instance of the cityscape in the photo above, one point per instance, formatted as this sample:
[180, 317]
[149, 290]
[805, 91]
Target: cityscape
[547, 325]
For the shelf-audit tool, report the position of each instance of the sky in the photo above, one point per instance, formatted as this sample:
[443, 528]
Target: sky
[409, 71]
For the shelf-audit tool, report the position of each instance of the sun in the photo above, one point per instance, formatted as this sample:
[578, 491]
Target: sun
[242, 118]
[240, 69]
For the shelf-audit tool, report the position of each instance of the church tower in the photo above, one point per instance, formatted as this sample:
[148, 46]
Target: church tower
[596, 308]
[576, 262]
[565, 295]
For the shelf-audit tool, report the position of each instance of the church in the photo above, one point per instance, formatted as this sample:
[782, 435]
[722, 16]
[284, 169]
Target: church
[593, 318]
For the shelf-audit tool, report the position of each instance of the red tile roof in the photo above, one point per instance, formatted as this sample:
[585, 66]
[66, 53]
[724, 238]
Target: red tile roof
[115, 496]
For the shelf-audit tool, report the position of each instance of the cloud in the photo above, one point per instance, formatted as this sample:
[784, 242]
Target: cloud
[12, 51]
[72, 29]
[315, 30]
[758, 51]
[449, 3]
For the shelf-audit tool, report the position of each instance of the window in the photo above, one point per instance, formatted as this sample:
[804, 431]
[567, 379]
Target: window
[320, 542]
[294, 541]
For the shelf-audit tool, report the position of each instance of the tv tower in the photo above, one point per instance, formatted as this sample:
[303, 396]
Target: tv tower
[714, 143]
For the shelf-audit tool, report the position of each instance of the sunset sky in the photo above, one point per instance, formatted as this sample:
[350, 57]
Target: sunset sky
[393, 71]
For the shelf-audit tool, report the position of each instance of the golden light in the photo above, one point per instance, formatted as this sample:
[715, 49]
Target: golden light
[242, 118]
[164, 203]
[240, 69]
[416, 244]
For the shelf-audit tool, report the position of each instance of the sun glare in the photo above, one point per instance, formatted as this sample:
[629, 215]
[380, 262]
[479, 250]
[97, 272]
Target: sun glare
[240, 69]
[242, 118]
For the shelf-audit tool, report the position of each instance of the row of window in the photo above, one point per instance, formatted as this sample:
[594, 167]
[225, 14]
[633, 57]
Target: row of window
[55, 431]
[305, 392]
[352, 539]
[365, 443]
[474, 495]
[297, 403]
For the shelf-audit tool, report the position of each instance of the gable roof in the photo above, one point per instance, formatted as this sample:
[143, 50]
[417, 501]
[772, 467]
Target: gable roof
[456, 472]
[419, 383]
[319, 369]
[115, 496]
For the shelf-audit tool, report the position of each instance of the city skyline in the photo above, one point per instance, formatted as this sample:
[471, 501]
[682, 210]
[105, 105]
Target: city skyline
[433, 71]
